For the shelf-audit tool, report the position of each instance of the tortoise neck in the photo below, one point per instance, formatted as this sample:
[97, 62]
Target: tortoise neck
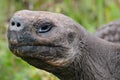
[92, 61]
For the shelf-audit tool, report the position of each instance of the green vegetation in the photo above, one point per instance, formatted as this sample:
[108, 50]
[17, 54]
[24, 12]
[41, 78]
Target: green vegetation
[89, 13]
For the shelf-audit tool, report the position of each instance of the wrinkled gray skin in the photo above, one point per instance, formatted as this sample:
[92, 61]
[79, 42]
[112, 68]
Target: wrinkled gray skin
[110, 32]
[66, 50]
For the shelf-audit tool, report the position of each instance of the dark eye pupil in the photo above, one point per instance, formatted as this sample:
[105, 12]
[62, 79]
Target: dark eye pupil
[45, 28]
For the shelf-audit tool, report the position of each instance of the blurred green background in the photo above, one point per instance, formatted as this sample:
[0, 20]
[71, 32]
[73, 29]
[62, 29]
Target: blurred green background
[89, 13]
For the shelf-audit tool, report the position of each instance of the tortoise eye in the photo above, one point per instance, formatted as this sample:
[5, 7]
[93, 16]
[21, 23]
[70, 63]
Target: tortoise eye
[45, 28]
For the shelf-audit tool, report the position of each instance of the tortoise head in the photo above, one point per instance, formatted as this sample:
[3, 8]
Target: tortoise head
[44, 39]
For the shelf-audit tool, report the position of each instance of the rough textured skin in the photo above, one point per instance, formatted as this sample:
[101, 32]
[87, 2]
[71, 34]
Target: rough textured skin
[110, 32]
[66, 50]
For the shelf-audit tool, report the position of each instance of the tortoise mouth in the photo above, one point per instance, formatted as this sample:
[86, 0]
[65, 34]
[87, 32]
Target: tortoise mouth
[35, 51]
[49, 54]
[28, 49]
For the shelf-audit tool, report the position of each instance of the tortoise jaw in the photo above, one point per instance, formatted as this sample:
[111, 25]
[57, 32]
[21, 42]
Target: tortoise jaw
[22, 50]
[40, 51]
[38, 54]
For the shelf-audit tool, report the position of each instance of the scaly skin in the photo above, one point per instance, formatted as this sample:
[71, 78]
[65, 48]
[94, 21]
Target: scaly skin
[57, 44]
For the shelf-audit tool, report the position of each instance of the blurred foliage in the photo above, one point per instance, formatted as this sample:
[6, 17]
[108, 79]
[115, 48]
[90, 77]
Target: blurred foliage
[89, 13]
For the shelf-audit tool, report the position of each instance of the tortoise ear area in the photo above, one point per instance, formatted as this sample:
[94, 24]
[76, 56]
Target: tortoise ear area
[71, 36]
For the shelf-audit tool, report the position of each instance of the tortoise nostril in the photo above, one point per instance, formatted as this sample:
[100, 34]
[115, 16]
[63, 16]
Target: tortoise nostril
[12, 23]
[18, 24]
